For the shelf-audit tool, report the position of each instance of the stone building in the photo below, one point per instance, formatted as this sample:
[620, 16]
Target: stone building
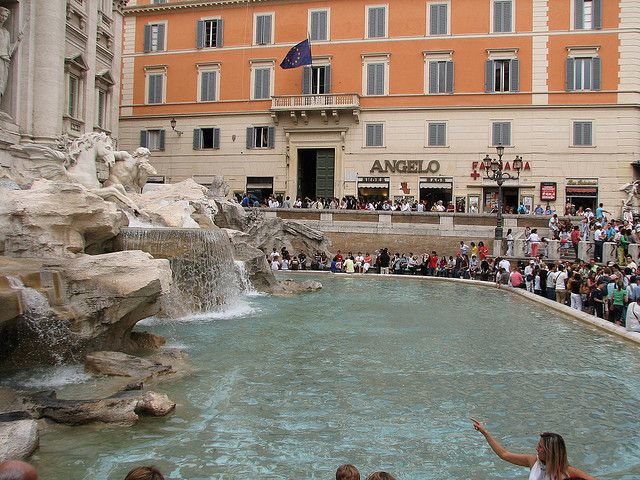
[404, 99]
[64, 71]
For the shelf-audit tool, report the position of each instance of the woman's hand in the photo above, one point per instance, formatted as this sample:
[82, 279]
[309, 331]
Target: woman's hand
[479, 426]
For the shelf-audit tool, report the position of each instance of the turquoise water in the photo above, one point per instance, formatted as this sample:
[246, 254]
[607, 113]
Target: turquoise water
[381, 374]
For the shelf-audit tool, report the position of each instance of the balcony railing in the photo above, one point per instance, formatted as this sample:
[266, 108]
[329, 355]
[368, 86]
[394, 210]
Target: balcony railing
[316, 102]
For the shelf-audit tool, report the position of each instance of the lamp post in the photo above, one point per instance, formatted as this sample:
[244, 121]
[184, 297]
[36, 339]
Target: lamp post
[494, 171]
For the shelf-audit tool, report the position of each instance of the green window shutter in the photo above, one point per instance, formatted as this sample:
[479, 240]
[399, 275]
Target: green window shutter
[250, 135]
[197, 138]
[596, 74]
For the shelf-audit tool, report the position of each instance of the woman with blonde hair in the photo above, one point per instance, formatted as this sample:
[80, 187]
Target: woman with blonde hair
[549, 463]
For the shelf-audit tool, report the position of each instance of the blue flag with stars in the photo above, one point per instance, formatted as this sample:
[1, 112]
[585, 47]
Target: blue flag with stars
[298, 56]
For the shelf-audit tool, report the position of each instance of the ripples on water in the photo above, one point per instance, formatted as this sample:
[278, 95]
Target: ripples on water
[382, 374]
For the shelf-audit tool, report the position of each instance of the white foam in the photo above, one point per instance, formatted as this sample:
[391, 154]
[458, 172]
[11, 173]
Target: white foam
[52, 377]
[239, 309]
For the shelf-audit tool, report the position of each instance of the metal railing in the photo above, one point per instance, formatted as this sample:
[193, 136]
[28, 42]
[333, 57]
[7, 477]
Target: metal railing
[332, 100]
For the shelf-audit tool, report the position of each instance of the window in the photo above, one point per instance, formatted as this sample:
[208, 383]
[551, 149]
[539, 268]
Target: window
[72, 96]
[158, 2]
[374, 135]
[376, 78]
[587, 14]
[440, 77]
[152, 139]
[438, 19]
[319, 25]
[209, 33]
[264, 29]
[208, 81]
[502, 75]
[316, 80]
[502, 16]
[501, 134]
[102, 99]
[155, 88]
[154, 36]
[377, 22]
[260, 137]
[262, 83]
[583, 134]
[437, 134]
[206, 138]
[583, 74]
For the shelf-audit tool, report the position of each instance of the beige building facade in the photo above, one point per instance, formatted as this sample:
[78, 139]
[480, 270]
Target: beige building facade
[559, 86]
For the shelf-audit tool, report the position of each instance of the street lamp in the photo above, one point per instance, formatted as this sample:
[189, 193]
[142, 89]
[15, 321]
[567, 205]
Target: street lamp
[494, 171]
[173, 124]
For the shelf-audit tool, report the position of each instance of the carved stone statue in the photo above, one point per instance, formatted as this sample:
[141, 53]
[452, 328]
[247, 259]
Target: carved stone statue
[131, 171]
[633, 194]
[6, 50]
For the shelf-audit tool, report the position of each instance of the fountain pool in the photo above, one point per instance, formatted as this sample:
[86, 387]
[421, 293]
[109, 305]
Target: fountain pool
[381, 373]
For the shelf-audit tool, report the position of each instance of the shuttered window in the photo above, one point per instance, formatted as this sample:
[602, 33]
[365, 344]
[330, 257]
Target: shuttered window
[72, 96]
[101, 111]
[583, 134]
[154, 37]
[438, 19]
[377, 22]
[206, 138]
[208, 81]
[152, 139]
[155, 88]
[319, 25]
[264, 29]
[502, 16]
[374, 135]
[441, 77]
[587, 14]
[316, 80]
[437, 134]
[260, 137]
[501, 134]
[502, 75]
[210, 33]
[375, 78]
[261, 83]
[583, 74]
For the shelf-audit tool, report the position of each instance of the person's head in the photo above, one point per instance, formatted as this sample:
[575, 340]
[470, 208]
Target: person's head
[552, 451]
[347, 472]
[4, 14]
[380, 476]
[17, 470]
[509, 231]
[144, 473]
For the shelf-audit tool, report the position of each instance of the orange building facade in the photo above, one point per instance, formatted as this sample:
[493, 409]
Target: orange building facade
[403, 99]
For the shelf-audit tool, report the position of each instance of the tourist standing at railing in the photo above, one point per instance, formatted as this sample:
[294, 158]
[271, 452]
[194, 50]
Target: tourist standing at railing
[534, 242]
[549, 463]
[553, 226]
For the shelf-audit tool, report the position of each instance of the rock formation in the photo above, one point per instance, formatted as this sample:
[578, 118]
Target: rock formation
[18, 437]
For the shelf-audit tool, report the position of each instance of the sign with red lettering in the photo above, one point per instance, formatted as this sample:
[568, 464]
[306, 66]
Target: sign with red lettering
[548, 191]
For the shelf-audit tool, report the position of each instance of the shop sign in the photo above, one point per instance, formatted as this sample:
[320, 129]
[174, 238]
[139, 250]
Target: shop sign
[588, 191]
[436, 180]
[373, 179]
[405, 166]
[548, 191]
[593, 182]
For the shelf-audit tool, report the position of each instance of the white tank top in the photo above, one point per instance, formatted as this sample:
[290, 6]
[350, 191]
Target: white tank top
[539, 471]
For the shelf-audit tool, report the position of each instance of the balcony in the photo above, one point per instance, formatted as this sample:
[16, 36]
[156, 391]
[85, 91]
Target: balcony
[300, 107]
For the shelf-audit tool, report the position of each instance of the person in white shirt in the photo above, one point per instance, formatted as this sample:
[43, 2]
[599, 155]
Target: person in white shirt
[561, 288]
[633, 317]
[504, 263]
[534, 241]
[528, 276]
[275, 264]
[359, 262]
[285, 264]
[420, 207]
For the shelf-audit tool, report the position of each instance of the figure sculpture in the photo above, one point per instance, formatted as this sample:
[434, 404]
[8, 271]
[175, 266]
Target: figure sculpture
[633, 194]
[6, 50]
[131, 171]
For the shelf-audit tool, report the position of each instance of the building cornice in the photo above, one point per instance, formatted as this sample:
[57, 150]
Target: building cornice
[185, 4]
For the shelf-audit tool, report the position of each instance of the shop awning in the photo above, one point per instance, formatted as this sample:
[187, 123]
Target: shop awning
[373, 185]
[439, 186]
[259, 185]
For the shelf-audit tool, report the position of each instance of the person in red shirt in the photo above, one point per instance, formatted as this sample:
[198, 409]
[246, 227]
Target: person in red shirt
[516, 279]
[433, 264]
[575, 239]
[483, 251]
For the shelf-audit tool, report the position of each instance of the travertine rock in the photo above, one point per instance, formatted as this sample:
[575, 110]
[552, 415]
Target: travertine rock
[290, 287]
[18, 439]
[56, 219]
[122, 365]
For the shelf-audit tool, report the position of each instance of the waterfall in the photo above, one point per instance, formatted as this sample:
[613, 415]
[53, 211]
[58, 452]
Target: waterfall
[244, 280]
[204, 274]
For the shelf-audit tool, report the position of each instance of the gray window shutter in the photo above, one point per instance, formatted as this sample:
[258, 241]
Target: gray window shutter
[449, 77]
[379, 79]
[250, 136]
[433, 77]
[143, 138]
[327, 79]
[197, 138]
[596, 74]
[200, 34]
[372, 22]
[507, 17]
[433, 134]
[151, 89]
[158, 92]
[267, 29]
[208, 92]
[271, 141]
[147, 38]
[315, 26]
[369, 135]
[371, 79]
[488, 76]
[376, 22]
[596, 14]
[379, 135]
[257, 83]
[442, 77]
[266, 83]
[220, 33]
[161, 139]
[441, 137]
[259, 30]
[506, 134]
[577, 133]
[586, 133]
[381, 21]
[442, 19]
[434, 13]
[498, 17]
[306, 79]
[323, 30]
[514, 75]
[578, 14]
[161, 28]
[496, 140]
[588, 63]
[570, 74]
[216, 138]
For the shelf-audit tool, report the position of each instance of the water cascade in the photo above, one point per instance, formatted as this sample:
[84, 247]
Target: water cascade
[205, 276]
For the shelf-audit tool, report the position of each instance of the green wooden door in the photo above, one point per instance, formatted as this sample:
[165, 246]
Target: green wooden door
[325, 168]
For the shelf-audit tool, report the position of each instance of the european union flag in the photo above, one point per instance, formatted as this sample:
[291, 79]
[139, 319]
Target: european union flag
[298, 56]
